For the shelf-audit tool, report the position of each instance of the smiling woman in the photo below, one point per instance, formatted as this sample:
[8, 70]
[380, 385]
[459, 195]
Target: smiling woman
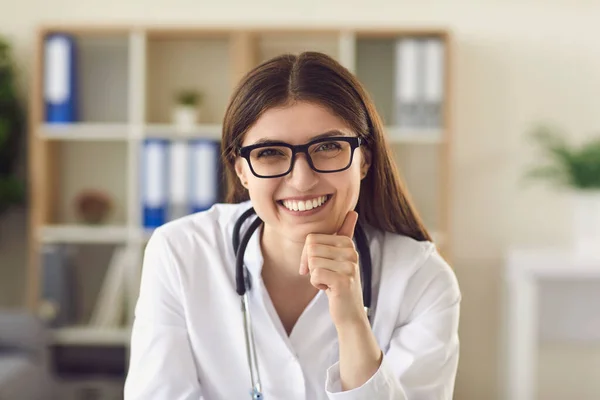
[343, 294]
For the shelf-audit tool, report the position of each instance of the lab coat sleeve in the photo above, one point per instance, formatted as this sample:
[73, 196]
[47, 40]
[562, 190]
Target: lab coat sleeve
[161, 364]
[422, 359]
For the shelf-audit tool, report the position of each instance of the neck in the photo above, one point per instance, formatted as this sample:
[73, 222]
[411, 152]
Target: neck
[281, 256]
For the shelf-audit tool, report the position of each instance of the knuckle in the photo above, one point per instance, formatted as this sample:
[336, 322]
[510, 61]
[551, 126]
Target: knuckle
[353, 256]
[348, 242]
[315, 276]
[347, 282]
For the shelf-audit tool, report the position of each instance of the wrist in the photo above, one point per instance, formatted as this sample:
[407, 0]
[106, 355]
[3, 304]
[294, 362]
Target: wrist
[359, 324]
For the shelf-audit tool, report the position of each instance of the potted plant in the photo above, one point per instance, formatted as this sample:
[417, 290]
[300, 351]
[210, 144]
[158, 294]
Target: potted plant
[187, 109]
[12, 123]
[577, 169]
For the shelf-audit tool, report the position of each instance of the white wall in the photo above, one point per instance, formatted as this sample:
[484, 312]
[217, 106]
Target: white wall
[516, 63]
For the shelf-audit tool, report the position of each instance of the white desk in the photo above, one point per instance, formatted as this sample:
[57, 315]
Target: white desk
[525, 270]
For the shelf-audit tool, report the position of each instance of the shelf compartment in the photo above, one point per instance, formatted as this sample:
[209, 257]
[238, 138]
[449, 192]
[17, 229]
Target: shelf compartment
[188, 62]
[419, 168]
[100, 77]
[85, 165]
[405, 76]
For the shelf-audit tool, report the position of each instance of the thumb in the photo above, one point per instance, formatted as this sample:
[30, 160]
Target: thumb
[349, 224]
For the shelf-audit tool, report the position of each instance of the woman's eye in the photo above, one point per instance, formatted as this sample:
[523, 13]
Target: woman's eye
[269, 153]
[328, 146]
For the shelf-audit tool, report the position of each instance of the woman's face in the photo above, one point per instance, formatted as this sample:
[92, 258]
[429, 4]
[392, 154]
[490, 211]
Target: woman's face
[304, 201]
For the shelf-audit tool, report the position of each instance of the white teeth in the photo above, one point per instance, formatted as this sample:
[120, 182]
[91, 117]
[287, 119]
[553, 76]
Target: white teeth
[304, 205]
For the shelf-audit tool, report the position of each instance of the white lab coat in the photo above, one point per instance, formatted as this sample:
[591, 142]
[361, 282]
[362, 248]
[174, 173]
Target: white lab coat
[188, 338]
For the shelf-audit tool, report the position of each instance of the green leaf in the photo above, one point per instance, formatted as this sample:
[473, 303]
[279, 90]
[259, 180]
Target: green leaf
[569, 166]
[12, 191]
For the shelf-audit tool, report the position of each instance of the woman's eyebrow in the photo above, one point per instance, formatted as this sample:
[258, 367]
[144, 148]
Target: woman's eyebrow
[330, 133]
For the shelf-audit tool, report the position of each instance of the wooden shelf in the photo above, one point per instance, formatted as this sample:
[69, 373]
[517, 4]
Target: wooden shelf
[88, 335]
[84, 131]
[416, 136]
[83, 234]
[208, 131]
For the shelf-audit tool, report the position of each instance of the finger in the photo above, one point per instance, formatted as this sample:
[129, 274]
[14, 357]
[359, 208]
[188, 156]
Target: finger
[335, 253]
[349, 224]
[324, 279]
[330, 240]
[339, 267]
[304, 260]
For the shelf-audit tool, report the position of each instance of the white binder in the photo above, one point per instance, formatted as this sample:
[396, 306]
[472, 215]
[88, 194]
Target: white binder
[433, 82]
[154, 187]
[205, 175]
[179, 179]
[407, 99]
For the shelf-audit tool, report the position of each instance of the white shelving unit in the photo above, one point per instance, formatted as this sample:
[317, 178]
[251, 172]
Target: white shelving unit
[84, 234]
[127, 90]
[85, 335]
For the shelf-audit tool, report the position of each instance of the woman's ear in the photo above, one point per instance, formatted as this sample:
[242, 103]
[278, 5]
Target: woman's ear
[366, 162]
[241, 171]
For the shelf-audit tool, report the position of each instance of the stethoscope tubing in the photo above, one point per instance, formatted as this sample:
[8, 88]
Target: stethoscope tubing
[243, 285]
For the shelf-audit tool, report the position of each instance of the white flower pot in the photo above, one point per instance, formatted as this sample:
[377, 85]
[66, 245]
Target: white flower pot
[185, 118]
[586, 222]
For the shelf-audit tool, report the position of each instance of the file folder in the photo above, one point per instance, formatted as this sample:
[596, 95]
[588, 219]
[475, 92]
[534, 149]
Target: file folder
[433, 82]
[407, 108]
[154, 182]
[179, 179]
[60, 79]
[204, 159]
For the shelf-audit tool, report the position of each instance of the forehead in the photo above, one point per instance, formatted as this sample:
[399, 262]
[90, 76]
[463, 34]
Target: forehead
[295, 124]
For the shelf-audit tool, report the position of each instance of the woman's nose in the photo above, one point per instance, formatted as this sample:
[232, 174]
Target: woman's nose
[302, 176]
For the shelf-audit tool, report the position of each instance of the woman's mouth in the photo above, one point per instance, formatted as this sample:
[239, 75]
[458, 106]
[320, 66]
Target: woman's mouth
[304, 206]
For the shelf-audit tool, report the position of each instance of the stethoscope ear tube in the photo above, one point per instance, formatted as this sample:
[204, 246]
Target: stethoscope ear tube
[365, 267]
[241, 278]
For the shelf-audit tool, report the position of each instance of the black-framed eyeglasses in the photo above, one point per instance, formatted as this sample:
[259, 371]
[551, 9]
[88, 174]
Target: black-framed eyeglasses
[324, 155]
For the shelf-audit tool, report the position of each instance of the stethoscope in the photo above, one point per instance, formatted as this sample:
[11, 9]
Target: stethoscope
[242, 281]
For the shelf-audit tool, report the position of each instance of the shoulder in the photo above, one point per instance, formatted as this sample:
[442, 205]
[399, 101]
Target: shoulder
[212, 227]
[417, 269]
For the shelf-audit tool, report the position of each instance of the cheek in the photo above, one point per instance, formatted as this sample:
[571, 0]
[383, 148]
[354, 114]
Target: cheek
[262, 190]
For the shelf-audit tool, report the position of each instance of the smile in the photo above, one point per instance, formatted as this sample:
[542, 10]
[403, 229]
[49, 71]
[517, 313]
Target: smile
[305, 205]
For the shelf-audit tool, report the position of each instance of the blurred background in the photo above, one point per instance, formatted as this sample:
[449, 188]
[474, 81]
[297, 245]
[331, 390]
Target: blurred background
[109, 126]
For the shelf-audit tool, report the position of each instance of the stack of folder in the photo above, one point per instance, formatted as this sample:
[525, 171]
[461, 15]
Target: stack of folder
[179, 177]
[419, 83]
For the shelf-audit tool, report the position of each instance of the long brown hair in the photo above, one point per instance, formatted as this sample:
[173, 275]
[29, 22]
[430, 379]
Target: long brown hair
[316, 77]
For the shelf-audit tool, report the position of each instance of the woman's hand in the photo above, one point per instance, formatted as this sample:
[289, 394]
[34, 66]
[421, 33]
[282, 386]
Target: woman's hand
[332, 262]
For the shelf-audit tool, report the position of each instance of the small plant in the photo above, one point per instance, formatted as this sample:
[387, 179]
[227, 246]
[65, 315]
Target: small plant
[190, 98]
[569, 166]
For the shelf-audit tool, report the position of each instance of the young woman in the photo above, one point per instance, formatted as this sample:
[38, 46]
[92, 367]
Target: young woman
[333, 232]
